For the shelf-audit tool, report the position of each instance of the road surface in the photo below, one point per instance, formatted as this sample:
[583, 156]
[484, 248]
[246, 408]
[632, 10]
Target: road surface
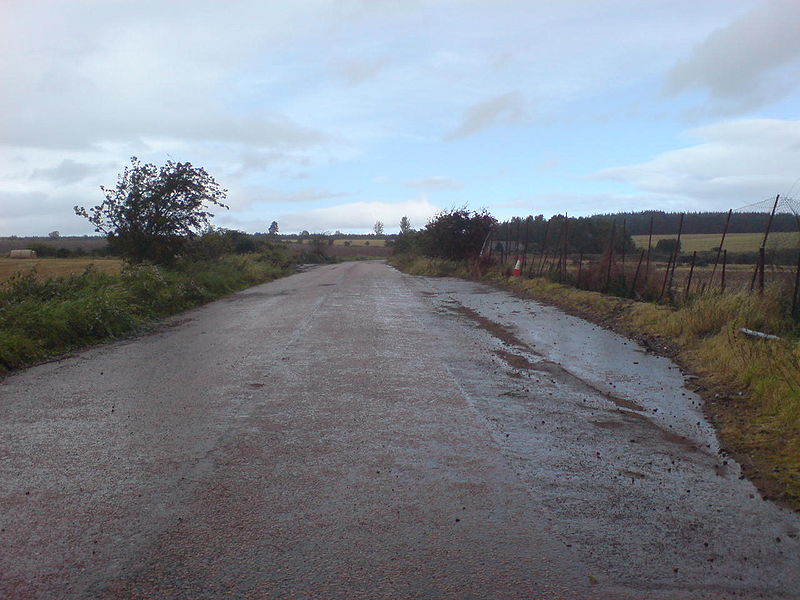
[353, 432]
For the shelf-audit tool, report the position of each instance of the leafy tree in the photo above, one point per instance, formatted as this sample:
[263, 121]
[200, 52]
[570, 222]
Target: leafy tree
[378, 228]
[405, 226]
[54, 235]
[273, 228]
[153, 211]
[457, 234]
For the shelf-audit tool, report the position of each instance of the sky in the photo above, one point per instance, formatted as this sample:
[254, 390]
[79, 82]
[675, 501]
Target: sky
[329, 115]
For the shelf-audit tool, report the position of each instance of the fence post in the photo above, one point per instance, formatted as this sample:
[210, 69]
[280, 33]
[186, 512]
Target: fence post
[666, 277]
[525, 249]
[760, 266]
[649, 245]
[761, 261]
[721, 244]
[636, 275]
[691, 272]
[724, 264]
[544, 247]
[676, 252]
[580, 269]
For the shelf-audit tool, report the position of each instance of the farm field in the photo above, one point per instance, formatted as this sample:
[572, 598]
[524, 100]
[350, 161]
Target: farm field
[67, 242]
[56, 267]
[734, 242]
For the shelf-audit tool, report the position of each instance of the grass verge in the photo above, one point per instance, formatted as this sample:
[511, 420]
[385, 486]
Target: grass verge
[44, 317]
[751, 386]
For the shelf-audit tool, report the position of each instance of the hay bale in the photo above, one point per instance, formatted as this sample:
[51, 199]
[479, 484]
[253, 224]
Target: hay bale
[22, 254]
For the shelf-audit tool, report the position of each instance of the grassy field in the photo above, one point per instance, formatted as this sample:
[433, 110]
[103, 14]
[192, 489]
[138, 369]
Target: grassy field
[734, 242]
[57, 267]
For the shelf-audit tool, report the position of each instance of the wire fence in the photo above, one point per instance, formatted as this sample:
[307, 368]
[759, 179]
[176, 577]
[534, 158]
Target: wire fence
[664, 260]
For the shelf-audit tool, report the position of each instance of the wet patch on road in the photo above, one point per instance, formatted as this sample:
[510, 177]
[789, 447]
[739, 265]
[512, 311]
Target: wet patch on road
[501, 332]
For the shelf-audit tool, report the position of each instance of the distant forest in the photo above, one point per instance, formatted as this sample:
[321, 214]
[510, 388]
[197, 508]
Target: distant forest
[591, 234]
[702, 222]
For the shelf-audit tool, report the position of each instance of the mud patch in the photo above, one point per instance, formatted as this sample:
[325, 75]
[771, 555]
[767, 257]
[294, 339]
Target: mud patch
[558, 371]
[667, 436]
[501, 332]
[514, 360]
[506, 335]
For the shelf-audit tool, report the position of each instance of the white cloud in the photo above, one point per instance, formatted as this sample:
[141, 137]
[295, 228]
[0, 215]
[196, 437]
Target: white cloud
[437, 182]
[736, 163]
[505, 109]
[68, 171]
[737, 64]
[360, 216]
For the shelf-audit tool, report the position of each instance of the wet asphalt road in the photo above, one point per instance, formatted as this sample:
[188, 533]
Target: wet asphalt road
[352, 432]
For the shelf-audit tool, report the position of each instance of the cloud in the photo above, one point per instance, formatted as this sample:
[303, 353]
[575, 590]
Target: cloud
[505, 109]
[360, 216]
[68, 171]
[737, 163]
[358, 71]
[256, 196]
[737, 64]
[425, 183]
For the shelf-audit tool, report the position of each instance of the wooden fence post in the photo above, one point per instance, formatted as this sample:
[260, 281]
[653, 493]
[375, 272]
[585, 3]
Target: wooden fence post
[636, 275]
[724, 264]
[691, 272]
[759, 265]
[721, 244]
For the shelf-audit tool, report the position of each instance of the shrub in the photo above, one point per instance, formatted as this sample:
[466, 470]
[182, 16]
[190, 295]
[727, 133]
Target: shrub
[457, 234]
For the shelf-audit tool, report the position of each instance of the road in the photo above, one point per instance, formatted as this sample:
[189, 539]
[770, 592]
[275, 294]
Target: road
[353, 432]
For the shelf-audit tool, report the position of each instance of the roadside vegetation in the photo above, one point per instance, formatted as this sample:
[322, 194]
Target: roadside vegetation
[44, 317]
[169, 259]
[751, 385]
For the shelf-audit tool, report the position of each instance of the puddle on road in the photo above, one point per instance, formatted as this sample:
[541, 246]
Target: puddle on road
[517, 361]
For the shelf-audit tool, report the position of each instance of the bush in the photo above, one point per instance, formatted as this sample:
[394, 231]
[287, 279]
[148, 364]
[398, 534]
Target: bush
[457, 234]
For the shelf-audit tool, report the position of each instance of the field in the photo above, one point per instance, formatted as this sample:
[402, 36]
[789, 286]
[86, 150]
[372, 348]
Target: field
[71, 243]
[734, 242]
[56, 267]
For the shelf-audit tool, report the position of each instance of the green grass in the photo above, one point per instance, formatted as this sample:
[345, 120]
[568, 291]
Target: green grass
[734, 242]
[41, 317]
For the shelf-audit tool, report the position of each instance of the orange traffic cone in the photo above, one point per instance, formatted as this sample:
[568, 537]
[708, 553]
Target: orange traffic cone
[517, 267]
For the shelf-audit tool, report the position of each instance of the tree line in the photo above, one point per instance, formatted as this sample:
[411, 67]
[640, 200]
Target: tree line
[666, 223]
